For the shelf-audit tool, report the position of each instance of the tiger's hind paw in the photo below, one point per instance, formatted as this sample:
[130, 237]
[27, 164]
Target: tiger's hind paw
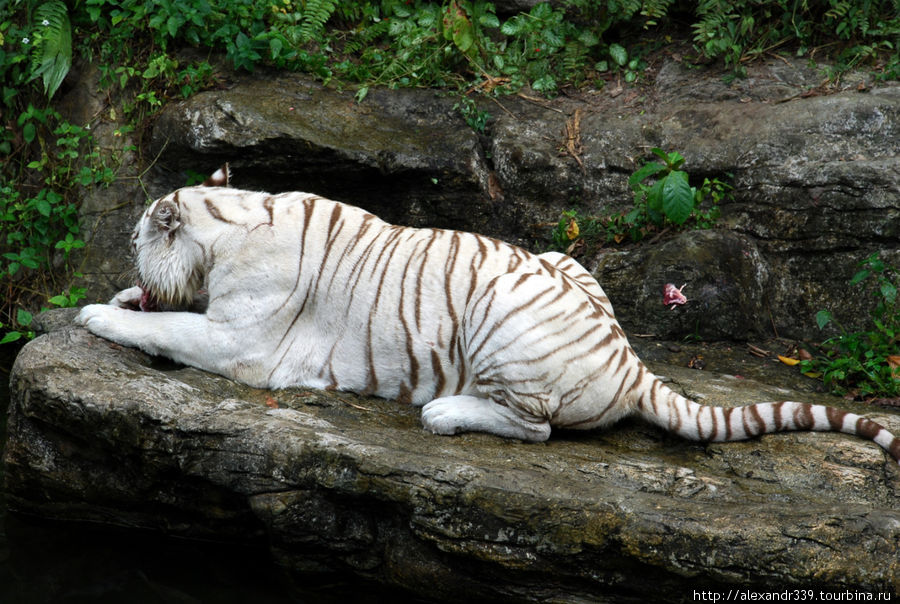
[463, 413]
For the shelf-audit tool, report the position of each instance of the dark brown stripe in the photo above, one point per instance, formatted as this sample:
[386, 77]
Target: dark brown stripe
[438, 373]
[895, 449]
[674, 413]
[776, 416]
[803, 417]
[867, 428]
[420, 274]
[214, 211]
[448, 292]
[410, 352]
[699, 426]
[269, 205]
[727, 415]
[405, 395]
[461, 367]
[335, 216]
[760, 425]
[835, 417]
[522, 279]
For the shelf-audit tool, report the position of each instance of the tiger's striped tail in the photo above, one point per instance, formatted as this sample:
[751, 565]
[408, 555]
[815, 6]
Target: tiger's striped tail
[675, 413]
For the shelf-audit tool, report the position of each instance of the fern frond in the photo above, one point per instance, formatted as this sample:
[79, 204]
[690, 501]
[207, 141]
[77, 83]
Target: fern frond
[52, 52]
[315, 14]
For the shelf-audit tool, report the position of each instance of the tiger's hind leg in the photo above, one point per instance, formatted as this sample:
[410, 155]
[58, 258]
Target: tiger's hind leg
[464, 413]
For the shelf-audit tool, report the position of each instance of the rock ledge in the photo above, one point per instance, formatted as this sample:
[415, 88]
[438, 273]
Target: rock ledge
[338, 483]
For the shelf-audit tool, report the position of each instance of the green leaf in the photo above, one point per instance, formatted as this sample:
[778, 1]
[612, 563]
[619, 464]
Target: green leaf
[674, 160]
[861, 275]
[588, 38]
[618, 54]
[59, 300]
[172, 25]
[645, 172]
[545, 83]
[677, 199]
[11, 336]
[823, 318]
[275, 46]
[552, 38]
[53, 55]
[632, 216]
[24, 317]
[655, 203]
[542, 11]
[489, 20]
[464, 36]
[43, 206]
[29, 132]
[889, 292]
[510, 27]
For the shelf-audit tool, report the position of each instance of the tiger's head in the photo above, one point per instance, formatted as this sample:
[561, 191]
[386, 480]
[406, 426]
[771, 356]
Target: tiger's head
[171, 262]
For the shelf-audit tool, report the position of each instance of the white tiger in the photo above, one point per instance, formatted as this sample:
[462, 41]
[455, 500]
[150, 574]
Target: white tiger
[487, 336]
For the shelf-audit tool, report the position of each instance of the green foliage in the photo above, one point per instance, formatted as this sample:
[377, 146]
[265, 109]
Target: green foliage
[38, 216]
[663, 199]
[476, 118]
[52, 44]
[621, 63]
[864, 363]
[670, 200]
[737, 31]
[21, 328]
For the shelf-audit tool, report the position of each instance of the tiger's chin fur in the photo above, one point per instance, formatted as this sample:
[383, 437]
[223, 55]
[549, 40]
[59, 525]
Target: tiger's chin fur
[300, 290]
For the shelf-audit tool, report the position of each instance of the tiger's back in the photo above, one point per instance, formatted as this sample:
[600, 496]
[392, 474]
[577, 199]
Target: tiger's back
[489, 337]
[366, 306]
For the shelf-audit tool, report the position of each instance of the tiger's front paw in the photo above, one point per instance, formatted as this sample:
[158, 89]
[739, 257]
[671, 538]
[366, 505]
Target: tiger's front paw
[128, 298]
[100, 319]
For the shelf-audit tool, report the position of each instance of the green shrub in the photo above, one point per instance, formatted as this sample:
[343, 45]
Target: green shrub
[864, 363]
[663, 199]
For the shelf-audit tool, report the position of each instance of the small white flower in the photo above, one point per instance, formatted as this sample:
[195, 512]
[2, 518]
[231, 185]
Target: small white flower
[25, 40]
[45, 23]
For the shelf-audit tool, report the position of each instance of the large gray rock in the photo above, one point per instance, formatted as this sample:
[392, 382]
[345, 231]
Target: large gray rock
[817, 178]
[336, 483]
[405, 154]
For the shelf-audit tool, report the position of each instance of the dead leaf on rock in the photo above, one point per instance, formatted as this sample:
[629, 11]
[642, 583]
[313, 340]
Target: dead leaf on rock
[572, 145]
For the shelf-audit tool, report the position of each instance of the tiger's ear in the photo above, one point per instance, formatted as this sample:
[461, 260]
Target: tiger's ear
[166, 216]
[219, 178]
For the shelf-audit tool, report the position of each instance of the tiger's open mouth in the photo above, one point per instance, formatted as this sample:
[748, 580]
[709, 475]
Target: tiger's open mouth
[149, 302]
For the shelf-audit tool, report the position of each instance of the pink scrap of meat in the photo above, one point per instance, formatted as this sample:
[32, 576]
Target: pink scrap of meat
[672, 295]
[148, 302]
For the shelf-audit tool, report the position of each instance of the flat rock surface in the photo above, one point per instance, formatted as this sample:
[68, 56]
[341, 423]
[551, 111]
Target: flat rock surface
[333, 482]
